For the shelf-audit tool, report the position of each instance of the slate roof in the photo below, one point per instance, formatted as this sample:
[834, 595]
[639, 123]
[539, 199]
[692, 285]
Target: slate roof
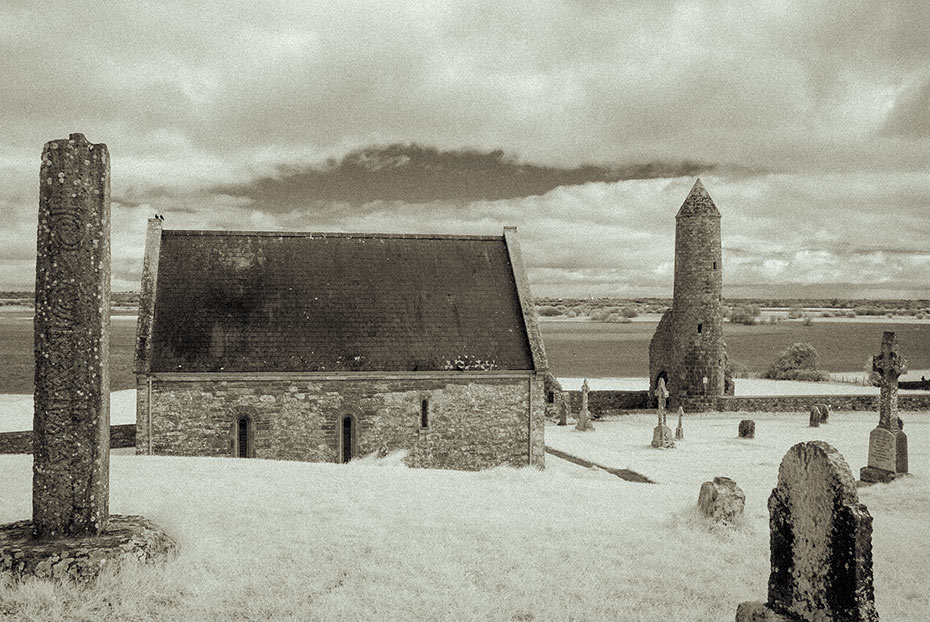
[698, 203]
[290, 302]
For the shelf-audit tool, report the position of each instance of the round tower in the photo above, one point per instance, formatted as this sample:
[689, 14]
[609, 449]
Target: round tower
[688, 349]
[698, 326]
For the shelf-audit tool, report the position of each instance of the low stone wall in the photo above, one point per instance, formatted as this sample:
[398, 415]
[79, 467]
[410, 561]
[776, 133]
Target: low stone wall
[919, 385]
[603, 402]
[16, 442]
[122, 435]
[803, 403]
[21, 442]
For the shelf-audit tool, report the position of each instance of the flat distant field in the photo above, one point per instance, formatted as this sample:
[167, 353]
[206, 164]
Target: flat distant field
[16, 352]
[575, 348]
[604, 350]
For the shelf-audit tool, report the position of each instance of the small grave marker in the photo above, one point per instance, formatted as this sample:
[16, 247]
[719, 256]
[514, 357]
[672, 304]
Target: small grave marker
[584, 417]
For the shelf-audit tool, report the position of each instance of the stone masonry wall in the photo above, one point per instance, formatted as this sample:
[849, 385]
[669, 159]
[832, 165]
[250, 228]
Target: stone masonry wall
[21, 442]
[473, 423]
[603, 403]
[803, 403]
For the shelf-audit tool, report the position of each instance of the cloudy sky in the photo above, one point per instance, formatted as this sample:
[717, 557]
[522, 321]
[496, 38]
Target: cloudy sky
[584, 123]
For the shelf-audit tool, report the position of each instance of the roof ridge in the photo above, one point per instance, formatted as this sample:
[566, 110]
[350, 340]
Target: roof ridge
[328, 234]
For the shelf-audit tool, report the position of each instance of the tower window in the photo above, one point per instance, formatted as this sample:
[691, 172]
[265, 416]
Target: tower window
[700, 327]
[715, 265]
[424, 414]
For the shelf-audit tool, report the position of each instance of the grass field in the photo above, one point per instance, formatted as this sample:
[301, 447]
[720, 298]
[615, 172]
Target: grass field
[275, 540]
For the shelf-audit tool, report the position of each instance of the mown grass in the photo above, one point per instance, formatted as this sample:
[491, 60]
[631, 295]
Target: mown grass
[274, 540]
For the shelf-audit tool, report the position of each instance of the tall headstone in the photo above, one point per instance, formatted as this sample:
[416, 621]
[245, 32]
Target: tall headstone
[70, 484]
[887, 442]
[814, 421]
[680, 431]
[661, 435]
[584, 417]
[821, 543]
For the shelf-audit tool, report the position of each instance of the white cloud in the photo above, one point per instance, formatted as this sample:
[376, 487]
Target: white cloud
[825, 100]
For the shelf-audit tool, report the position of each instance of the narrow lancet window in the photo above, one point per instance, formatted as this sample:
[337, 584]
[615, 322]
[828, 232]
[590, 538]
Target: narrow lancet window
[700, 327]
[242, 437]
[424, 414]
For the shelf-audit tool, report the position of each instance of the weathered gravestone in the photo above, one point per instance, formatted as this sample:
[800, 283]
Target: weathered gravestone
[563, 410]
[584, 417]
[824, 412]
[814, 421]
[661, 435]
[71, 533]
[680, 431]
[721, 500]
[887, 442]
[821, 543]
[747, 428]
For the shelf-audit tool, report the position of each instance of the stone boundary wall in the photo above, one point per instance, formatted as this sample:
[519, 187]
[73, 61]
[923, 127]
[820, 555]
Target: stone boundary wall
[920, 385]
[21, 442]
[803, 403]
[599, 402]
[602, 403]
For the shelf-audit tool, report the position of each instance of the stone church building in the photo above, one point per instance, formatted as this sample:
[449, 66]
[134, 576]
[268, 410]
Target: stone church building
[326, 347]
[687, 349]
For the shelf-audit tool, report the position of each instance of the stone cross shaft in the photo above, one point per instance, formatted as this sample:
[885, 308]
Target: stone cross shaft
[890, 365]
[661, 396]
[71, 427]
[584, 396]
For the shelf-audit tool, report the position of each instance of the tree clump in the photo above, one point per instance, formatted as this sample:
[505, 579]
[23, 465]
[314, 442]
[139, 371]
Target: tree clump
[745, 314]
[797, 362]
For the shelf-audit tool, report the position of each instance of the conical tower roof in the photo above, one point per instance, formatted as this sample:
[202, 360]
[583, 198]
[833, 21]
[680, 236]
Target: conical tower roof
[698, 203]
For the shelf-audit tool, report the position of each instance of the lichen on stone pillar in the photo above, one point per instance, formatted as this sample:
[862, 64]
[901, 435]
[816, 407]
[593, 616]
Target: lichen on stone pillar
[72, 315]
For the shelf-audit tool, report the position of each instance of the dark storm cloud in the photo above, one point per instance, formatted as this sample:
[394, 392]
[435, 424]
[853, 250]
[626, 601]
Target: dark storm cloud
[419, 174]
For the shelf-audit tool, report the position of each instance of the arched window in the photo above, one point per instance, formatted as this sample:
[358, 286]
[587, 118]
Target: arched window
[243, 431]
[347, 443]
[424, 414]
[700, 327]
